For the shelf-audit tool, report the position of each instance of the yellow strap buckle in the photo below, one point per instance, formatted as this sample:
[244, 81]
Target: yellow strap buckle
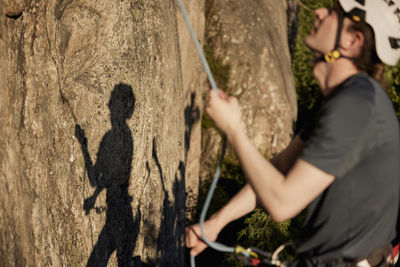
[239, 250]
[332, 56]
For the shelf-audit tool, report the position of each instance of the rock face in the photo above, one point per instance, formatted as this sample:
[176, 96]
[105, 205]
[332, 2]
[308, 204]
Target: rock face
[195, 87]
[100, 108]
[13, 8]
[250, 38]
[93, 145]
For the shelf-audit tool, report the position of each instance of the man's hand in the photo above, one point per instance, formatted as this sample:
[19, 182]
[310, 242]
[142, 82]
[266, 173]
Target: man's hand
[193, 236]
[225, 112]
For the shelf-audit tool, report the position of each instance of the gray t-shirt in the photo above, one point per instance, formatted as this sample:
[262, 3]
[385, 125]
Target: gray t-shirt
[356, 138]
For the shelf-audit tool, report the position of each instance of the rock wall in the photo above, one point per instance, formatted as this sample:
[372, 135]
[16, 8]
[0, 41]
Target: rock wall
[93, 143]
[195, 88]
[250, 39]
[101, 105]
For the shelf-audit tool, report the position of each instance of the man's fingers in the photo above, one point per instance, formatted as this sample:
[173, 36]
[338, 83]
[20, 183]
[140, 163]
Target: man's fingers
[222, 94]
[197, 235]
[233, 100]
[194, 241]
[198, 249]
[192, 237]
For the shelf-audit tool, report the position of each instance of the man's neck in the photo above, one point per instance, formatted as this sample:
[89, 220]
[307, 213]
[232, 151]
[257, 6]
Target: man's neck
[330, 75]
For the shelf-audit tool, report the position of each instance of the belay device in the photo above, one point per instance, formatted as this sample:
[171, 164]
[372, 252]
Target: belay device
[249, 256]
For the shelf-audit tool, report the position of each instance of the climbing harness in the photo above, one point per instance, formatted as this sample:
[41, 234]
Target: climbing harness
[250, 256]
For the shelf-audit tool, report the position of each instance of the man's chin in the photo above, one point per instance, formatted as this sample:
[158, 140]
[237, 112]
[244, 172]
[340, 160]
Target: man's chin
[310, 45]
[317, 54]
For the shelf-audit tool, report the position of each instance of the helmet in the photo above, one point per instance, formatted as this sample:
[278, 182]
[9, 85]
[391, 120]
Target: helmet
[384, 18]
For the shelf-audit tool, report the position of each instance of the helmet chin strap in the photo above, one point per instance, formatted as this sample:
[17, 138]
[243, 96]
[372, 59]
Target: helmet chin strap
[335, 54]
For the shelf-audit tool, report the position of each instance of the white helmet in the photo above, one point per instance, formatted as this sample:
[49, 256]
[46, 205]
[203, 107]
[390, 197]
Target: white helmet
[384, 18]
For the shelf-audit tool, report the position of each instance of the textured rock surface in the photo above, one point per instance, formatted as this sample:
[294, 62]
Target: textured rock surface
[13, 8]
[92, 143]
[251, 38]
[195, 87]
[100, 108]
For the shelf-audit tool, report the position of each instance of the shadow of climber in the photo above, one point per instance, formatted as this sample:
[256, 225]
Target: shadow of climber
[170, 241]
[111, 172]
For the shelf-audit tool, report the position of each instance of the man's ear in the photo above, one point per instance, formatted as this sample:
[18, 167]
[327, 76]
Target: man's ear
[351, 43]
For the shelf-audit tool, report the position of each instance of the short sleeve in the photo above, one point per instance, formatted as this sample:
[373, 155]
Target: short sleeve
[342, 135]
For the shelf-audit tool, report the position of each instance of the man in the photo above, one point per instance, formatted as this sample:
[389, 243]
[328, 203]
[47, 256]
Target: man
[345, 166]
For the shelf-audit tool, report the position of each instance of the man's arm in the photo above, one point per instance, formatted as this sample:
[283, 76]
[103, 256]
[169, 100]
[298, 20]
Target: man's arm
[283, 196]
[90, 168]
[245, 200]
[285, 159]
[241, 204]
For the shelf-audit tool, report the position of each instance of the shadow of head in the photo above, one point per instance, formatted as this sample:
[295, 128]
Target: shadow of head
[122, 102]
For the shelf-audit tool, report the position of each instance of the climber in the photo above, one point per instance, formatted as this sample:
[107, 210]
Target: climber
[344, 166]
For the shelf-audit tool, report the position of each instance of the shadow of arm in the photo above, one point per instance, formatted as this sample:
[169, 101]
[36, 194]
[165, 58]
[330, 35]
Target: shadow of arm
[91, 171]
[89, 202]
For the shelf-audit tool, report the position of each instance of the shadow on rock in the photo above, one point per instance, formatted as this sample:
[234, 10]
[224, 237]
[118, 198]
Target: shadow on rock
[112, 172]
[170, 243]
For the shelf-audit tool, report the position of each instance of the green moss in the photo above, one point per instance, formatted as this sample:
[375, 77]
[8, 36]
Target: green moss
[220, 71]
[206, 122]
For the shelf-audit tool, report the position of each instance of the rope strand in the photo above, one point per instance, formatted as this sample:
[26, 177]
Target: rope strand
[214, 245]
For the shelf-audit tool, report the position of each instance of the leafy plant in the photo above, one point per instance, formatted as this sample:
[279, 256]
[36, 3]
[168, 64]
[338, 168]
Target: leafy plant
[392, 76]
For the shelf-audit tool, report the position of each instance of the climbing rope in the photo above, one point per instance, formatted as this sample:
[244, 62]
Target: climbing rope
[249, 256]
[199, 50]
[214, 245]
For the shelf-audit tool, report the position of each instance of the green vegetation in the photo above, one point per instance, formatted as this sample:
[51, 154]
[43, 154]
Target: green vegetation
[221, 72]
[392, 76]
